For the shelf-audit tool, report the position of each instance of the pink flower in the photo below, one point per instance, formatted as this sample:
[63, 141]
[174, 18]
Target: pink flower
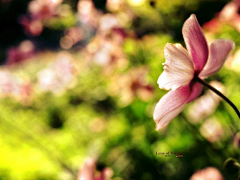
[212, 130]
[32, 27]
[205, 105]
[228, 15]
[183, 67]
[44, 9]
[88, 172]
[236, 140]
[209, 173]
[21, 53]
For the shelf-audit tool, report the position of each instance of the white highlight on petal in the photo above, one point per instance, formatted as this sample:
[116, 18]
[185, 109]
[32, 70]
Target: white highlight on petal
[178, 68]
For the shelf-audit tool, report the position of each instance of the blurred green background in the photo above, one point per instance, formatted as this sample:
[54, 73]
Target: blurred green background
[78, 79]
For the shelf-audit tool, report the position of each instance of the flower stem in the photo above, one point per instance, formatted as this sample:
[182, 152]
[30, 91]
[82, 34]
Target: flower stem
[218, 93]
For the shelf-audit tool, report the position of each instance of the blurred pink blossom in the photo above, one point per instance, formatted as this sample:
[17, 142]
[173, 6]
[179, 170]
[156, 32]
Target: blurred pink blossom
[59, 74]
[88, 172]
[228, 15]
[181, 67]
[89, 15]
[111, 29]
[206, 104]
[18, 54]
[230, 11]
[212, 130]
[131, 85]
[209, 173]
[214, 25]
[15, 87]
[106, 53]
[114, 5]
[40, 10]
[236, 140]
[43, 9]
[8, 84]
[32, 27]
[25, 93]
[107, 22]
[71, 36]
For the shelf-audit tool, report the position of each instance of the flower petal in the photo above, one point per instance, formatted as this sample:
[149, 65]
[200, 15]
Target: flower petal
[206, 174]
[195, 42]
[170, 105]
[88, 170]
[219, 50]
[178, 67]
[195, 91]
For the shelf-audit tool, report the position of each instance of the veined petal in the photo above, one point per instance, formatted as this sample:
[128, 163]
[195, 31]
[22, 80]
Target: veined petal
[195, 42]
[178, 67]
[170, 105]
[195, 91]
[219, 50]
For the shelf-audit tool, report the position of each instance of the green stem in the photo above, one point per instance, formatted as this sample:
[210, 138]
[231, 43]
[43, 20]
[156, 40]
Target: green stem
[218, 93]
